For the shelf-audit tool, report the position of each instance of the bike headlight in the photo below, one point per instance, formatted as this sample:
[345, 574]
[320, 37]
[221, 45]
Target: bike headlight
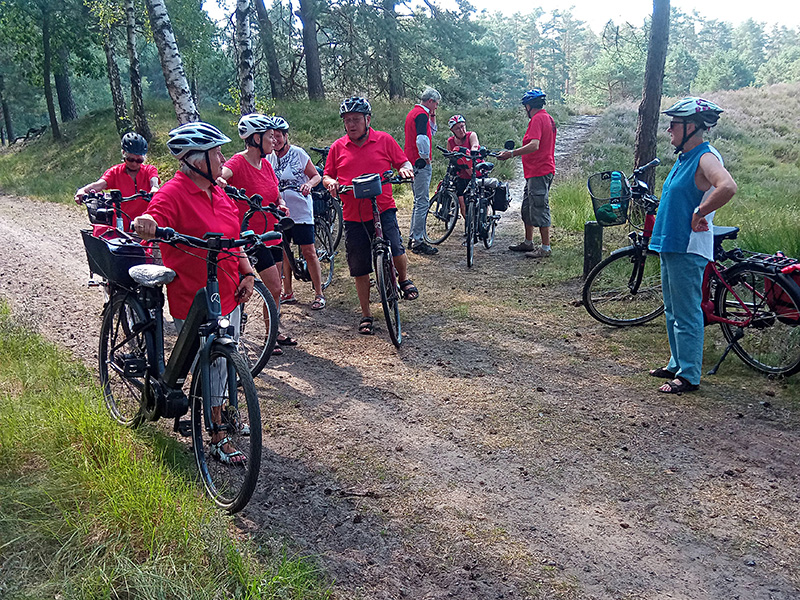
[224, 323]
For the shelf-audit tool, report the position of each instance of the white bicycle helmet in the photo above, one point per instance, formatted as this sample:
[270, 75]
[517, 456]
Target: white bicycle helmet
[455, 120]
[253, 123]
[196, 136]
[701, 111]
[278, 123]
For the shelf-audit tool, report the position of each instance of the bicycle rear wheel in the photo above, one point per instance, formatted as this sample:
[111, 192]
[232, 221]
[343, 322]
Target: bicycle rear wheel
[386, 280]
[767, 334]
[336, 222]
[470, 233]
[259, 328]
[442, 215]
[622, 290]
[125, 348]
[489, 224]
[325, 251]
[236, 414]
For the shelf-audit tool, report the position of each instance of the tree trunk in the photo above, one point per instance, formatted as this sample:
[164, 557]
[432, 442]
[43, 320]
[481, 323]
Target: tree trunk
[66, 102]
[137, 100]
[268, 45]
[393, 75]
[6, 114]
[117, 97]
[171, 64]
[308, 15]
[647, 125]
[46, 72]
[244, 58]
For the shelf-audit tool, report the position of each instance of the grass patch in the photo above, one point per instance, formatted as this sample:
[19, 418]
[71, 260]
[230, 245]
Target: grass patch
[89, 509]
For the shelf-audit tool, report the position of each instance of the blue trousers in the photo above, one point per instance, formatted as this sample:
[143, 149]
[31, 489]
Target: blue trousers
[421, 187]
[681, 285]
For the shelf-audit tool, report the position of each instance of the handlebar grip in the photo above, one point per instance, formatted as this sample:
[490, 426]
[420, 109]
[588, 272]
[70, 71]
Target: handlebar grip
[653, 163]
[270, 236]
[165, 233]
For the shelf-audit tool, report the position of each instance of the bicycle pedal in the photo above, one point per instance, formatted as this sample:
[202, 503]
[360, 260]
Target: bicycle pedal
[184, 428]
[93, 283]
[134, 367]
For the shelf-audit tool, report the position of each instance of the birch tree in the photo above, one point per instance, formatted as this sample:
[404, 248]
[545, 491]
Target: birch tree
[171, 64]
[244, 58]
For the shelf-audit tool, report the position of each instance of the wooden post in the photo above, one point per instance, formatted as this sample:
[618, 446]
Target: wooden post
[592, 246]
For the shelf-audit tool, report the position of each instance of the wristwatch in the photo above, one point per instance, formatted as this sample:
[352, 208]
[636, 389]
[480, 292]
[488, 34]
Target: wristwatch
[697, 212]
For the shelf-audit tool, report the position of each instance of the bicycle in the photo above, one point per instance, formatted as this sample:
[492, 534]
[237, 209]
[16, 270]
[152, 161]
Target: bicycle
[370, 186]
[481, 197]
[440, 220]
[137, 384]
[755, 300]
[327, 206]
[105, 208]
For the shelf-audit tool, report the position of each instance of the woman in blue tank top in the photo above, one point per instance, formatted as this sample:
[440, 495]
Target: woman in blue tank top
[683, 235]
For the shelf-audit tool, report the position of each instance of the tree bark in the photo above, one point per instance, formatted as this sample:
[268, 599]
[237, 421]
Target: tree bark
[66, 102]
[117, 97]
[268, 45]
[647, 125]
[244, 58]
[46, 72]
[137, 100]
[6, 113]
[308, 15]
[171, 64]
[394, 71]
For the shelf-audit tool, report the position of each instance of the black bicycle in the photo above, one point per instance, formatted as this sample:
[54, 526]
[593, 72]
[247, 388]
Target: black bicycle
[326, 206]
[137, 384]
[370, 186]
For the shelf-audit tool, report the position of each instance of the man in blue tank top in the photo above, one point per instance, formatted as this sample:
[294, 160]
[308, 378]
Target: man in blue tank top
[683, 235]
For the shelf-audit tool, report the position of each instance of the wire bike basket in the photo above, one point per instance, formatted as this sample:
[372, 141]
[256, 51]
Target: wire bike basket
[611, 196]
[111, 258]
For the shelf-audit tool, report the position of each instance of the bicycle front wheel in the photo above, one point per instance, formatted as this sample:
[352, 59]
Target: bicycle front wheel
[259, 328]
[336, 222]
[386, 280]
[325, 251]
[228, 460]
[470, 233]
[765, 308]
[489, 224]
[125, 348]
[442, 215]
[625, 290]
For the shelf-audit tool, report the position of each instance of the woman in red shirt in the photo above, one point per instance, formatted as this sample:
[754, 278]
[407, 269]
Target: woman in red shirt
[464, 140]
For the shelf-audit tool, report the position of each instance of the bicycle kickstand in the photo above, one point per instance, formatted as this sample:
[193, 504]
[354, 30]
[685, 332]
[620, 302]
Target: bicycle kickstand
[739, 334]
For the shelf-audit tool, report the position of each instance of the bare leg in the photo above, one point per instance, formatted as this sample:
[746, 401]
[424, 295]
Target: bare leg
[362, 288]
[401, 264]
[545, 233]
[529, 233]
[314, 269]
[287, 277]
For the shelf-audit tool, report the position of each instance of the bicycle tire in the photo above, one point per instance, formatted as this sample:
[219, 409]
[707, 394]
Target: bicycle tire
[771, 338]
[325, 251]
[470, 233]
[124, 341]
[229, 486]
[336, 221]
[389, 290]
[440, 220]
[489, 225]
[258, 330]
[607, 293]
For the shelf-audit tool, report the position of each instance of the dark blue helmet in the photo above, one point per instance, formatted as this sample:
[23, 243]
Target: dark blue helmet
[532, 95]
[133, 143]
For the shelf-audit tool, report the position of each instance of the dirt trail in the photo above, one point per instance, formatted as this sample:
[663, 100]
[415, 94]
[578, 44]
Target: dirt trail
[507, 450]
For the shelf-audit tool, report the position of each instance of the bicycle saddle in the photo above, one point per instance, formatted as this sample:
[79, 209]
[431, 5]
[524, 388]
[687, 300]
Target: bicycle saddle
[725, 233]
[151, 275]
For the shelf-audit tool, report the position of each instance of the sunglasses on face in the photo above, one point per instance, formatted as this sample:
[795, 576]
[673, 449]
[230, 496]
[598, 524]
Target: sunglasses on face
[674, 123]
[134, 160]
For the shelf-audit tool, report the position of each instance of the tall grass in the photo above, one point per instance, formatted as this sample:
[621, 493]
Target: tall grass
[89, 509]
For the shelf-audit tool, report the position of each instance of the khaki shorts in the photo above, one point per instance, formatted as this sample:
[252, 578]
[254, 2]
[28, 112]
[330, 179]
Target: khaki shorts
[536, 201]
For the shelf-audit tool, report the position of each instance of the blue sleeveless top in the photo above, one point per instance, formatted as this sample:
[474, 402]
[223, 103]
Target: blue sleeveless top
[680, 196]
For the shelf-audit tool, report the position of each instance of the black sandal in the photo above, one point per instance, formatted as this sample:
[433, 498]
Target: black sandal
[679, 385]
[366, 326]
[662, 373]
[286, 341]
[410, 292]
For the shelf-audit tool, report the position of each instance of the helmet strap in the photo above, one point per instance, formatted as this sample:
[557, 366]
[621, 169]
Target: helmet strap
[207, 174]
[686, 138]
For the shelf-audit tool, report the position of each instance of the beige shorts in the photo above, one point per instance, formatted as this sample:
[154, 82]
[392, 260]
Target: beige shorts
[536, 201]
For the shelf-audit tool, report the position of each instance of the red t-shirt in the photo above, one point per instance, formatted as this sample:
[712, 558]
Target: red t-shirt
[118, 179]
[466, 172]
[346, 160]
[410, 147]
[186, 208]
[255, 181]
[542, 162]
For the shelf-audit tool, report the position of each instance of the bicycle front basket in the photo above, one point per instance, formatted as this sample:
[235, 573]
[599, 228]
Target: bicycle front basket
[320, 200]
[111, 258]
[611, 195]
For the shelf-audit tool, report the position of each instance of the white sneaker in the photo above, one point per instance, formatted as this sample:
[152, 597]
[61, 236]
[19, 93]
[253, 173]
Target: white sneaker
[538, 252]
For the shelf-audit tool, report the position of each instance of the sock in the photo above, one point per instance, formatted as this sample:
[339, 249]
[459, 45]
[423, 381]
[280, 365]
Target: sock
[545, 247]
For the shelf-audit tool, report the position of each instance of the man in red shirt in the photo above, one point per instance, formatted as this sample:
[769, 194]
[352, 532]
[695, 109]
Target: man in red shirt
[129, 177]
[419, 129]
[538, 166]
[364, 150]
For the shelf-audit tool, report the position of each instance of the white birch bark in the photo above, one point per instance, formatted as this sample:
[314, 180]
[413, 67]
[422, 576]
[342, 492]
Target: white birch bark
[244, 58]
[171, 64]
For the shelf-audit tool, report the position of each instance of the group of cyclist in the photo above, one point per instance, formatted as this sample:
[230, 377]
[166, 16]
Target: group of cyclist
[194, 203]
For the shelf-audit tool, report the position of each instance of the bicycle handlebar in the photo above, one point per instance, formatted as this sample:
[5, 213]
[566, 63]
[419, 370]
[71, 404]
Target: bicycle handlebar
[101, 195]
[213, 241]
[323, 151]
[387, 177]
[653, 163]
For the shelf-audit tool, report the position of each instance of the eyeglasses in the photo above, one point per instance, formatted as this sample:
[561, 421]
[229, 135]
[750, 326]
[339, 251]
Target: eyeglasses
[673, 123]
[134, 160]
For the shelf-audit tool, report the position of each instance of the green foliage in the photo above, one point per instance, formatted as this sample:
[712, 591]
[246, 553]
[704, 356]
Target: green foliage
[89, 509]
